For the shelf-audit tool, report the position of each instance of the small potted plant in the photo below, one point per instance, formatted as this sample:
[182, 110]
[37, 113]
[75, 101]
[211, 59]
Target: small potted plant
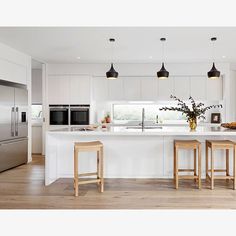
[192, 113]
[108, 118]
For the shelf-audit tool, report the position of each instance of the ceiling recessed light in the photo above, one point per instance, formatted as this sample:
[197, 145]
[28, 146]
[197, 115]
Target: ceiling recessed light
[78, 58]
[224, 56]
[150, 57]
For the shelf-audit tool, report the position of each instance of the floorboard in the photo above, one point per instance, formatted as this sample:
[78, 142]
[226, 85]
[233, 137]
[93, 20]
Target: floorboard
[23, 188]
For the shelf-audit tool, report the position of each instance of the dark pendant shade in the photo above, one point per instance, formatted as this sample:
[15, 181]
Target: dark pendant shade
[213, 73]
[163, 73]
[112, 74]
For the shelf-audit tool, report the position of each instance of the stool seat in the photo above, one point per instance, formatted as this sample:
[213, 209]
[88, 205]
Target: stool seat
[220, 144]
[88, 146]
[185, 144]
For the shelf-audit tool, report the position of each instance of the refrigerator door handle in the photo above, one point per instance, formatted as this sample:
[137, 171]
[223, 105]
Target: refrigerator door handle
[17, 121]
[12, 121]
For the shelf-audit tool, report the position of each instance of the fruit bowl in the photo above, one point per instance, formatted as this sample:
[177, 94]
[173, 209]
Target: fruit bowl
[231, 125]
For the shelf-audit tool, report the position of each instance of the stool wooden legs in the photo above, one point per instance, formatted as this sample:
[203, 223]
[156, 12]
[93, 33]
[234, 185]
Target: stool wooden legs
[176, 168]
[76, 181]
[199, 166]
[226, 146]
[97, 147]
[195, 163]
[227, 163]
[212, 168]
[101, 169]
[196, 176]
[207, 162]
[234, 167]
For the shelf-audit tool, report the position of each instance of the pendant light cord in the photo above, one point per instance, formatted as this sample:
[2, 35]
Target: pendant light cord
[163, 50]
[112, 52]
[213, 51]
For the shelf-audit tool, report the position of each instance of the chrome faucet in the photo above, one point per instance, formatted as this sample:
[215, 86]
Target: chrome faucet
[143, 117]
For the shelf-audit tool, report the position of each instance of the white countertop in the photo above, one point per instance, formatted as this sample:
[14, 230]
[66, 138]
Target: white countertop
[163, 131]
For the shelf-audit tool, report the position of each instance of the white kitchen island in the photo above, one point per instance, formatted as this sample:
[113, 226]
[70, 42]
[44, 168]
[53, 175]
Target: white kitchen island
[128, 153]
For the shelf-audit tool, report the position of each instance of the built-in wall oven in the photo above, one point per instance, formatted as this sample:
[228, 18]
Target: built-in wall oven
[59, 114]
[79, 114]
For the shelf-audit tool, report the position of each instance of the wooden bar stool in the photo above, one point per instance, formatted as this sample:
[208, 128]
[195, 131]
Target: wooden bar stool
[95, 146]
[225, 145]
[187, 144]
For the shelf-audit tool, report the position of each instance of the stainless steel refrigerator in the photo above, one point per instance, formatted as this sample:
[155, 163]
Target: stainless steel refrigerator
[13, 125]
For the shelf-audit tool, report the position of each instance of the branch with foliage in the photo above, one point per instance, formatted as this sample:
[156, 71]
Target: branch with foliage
[196, 110]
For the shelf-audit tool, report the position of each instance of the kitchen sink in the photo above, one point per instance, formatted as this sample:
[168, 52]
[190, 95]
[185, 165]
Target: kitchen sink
[146, 127]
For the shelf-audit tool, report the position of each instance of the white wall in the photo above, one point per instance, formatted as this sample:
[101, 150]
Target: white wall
[15, 66]
[36, 86]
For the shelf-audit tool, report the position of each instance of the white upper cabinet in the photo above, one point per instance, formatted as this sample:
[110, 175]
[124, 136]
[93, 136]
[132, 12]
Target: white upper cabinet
[214, 89]
[116, 89]
[165, 89]
[13, 72]
[182, 87]
[132, 89]
[58, 89]
[149, 89]
[198, 87]
[100, 89]
[80, 90]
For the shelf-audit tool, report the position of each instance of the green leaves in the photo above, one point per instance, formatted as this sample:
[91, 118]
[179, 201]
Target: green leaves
[196, 111]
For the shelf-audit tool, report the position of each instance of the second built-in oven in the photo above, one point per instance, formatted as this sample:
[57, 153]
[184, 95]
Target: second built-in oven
[79, 114]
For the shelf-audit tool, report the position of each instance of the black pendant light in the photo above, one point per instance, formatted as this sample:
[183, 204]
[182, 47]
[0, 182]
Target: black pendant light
[213, 73]
[163, 73]
[112, 74]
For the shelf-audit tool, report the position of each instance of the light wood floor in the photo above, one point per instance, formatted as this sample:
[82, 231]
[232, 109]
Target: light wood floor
[23, 188]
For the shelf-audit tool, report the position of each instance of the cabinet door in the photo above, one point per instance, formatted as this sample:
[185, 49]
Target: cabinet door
[149, 89]
[198, 87]
[132, 89]
[214, 89]
[13, 72]
[79, 90]
[182, 87]
[100, 89]
[116, 89]
[58, 90]
[165, 89]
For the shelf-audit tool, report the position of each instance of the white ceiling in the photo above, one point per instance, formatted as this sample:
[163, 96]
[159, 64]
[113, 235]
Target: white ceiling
[133, 44]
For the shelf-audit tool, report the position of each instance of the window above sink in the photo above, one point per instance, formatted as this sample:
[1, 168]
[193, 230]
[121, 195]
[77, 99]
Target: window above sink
[131, 113]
